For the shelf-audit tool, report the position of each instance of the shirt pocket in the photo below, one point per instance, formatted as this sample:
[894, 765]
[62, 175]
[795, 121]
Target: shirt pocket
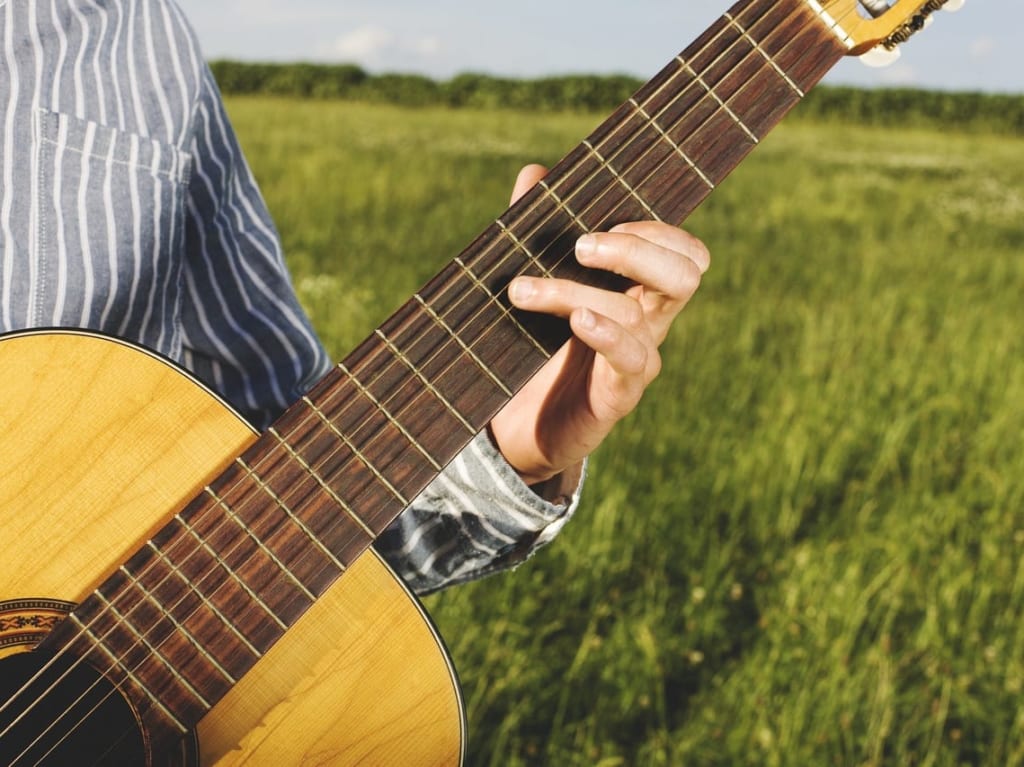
[109, 231]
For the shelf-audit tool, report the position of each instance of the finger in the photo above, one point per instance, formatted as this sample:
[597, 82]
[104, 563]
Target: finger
[527, 177]
[632, 363]
[562, 297]
[661, 270]
[671, 237]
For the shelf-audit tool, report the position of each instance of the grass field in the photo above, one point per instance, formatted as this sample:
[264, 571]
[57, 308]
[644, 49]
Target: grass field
[805, 548]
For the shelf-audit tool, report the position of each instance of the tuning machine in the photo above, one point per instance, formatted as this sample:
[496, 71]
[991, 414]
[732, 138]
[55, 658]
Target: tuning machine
[887, 51]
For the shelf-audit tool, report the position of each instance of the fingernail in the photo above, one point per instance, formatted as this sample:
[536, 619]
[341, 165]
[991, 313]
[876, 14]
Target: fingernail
[587, 320]
[586, 246]
[521, 288]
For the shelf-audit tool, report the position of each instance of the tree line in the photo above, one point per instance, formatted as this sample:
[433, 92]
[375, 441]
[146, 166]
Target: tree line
[902, 106]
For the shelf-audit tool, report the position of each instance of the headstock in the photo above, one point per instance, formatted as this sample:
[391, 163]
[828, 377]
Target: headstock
[874, 28]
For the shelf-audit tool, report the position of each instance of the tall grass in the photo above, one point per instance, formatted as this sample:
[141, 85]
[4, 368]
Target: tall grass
[805, 547]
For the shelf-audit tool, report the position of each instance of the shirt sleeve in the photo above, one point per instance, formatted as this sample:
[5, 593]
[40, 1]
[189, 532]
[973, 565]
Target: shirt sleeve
[478, 517]
[246, 336]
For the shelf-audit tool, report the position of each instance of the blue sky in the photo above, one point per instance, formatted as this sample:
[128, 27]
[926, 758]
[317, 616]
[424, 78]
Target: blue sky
[977, 48]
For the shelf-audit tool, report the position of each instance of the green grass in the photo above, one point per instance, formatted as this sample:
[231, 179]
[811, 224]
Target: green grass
[805, 547]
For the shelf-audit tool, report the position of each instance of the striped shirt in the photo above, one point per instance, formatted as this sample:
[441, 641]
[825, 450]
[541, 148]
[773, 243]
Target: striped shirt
[127, 207]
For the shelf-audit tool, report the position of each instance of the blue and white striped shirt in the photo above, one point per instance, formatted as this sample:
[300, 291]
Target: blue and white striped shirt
[127, 207]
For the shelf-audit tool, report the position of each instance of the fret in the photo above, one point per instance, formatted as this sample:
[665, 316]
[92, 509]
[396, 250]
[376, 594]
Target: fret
[430, 387]
[564, 206]
[205, 600]
[341, 503]
[390, 419]
[155, 653]
[450, 374]
[625, 184]
[137, 683]
[466, 349]
[583, 179]
[346, 422]
[173, 618]
[256, 599]
[302, 562]
[771, 62]
[721, 103]
[283, 506]
[282, 568]
[675, 147]
[831, 24]
[522, 247]
[545, 233]
[266, 584]
[806, 54]
[501, 309]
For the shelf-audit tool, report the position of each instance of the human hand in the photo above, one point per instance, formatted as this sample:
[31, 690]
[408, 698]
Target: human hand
[565, 411]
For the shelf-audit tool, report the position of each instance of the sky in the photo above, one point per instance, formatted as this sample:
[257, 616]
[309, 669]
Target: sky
[976, 48]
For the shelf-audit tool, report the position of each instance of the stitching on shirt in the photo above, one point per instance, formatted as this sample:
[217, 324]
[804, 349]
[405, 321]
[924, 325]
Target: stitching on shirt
[42, 231]
[169, 175]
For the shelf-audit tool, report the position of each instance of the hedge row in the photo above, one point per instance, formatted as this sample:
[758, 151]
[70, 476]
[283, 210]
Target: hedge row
[601, 93]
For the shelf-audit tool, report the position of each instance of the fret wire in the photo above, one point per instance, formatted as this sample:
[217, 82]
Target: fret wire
[522, 246]
[764, 54]
[322, 416]
[252, 594]
[432, 389]
[563, 205]
[465, 347]
[155, 653]
[279, 502]
[725, 107]
[678, 149]
[355, 451]
[128, 673]
[190, 587]
[493, 300]
[622, 181]
[252, 535]
[189, 638]
[831, 23]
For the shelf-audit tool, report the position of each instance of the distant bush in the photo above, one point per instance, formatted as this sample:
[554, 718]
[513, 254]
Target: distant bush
[908, 107]
[602, 93]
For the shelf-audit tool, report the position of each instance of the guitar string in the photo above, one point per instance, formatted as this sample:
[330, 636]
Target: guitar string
[725, 29]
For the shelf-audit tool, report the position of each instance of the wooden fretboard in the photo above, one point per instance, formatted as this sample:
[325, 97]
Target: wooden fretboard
[196, 607]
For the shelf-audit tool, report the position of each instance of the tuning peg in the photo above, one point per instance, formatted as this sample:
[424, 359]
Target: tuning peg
[953, 5]
[880, 56]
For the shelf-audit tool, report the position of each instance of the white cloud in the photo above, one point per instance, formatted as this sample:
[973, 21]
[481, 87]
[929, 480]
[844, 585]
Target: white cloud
[377, 46]
[898, 74]
[981, 47]
[365, 42]
[427, 46]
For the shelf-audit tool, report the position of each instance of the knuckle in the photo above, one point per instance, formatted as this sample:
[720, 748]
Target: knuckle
[688, 279]
[633, 317]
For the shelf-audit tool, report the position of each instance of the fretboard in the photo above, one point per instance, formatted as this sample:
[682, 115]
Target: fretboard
[198, 605]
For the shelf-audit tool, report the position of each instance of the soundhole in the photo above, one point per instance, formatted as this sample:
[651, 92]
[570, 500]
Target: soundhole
[57, 713]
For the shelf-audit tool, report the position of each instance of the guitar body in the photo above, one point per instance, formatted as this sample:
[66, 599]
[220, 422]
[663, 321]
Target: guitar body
[103, 442]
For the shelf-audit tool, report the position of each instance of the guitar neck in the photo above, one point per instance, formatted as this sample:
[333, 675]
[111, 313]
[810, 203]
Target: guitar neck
[290, 515]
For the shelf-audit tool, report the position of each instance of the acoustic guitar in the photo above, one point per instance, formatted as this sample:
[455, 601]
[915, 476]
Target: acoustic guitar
[180, 590]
